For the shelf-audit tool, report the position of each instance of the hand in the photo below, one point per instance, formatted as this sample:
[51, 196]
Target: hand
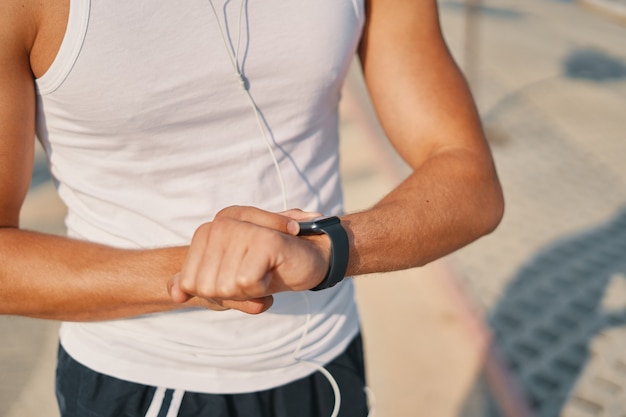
[247, 254]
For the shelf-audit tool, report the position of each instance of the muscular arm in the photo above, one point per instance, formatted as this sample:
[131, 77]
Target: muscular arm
[451, 198]
[453, 195]
[46, 276]
[54, 277]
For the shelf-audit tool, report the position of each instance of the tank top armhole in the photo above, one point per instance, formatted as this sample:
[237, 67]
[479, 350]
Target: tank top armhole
[359, 10]
[69, 50]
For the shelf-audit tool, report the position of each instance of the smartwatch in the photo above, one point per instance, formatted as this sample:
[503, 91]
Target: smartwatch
[339, 247]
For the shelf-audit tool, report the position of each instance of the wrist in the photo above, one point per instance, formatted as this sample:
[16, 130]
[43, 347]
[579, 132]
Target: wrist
[337, 244]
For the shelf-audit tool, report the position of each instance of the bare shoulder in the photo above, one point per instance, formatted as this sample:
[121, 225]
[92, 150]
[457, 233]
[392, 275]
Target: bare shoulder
[18, 30]
[32, 29]
[52, 16]
[17, 27]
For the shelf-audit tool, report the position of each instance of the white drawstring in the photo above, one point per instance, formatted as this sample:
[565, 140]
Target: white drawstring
[159, 398]
[177, 399]
[157, 402]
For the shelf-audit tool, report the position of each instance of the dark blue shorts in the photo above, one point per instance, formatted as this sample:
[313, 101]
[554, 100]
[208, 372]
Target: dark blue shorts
[82, 392]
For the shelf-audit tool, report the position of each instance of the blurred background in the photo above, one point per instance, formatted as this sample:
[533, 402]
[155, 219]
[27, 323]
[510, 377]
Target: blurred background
[528, 321]
[550, 81]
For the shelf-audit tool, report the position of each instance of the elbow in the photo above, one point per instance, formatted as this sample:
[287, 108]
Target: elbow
[491, 208]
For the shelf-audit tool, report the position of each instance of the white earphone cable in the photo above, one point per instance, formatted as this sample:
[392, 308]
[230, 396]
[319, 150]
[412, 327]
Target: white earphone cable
[320, 368]
[234, 60]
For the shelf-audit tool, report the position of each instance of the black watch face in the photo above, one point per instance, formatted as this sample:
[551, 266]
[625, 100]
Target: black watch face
[317, 226]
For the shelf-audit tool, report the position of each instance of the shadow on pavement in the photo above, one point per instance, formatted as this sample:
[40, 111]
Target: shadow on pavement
[557, 303]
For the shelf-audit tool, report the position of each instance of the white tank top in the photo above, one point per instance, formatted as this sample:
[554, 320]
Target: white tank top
[149, 135]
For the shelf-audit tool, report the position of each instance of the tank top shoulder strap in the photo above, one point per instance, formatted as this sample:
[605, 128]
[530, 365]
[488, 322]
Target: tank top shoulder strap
[75, 32]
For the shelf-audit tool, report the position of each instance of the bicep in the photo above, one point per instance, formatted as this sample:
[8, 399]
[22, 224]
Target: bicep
[17, 122]
[420, 95]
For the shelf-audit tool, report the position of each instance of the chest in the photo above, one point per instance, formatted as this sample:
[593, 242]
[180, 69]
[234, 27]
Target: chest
[130, 64]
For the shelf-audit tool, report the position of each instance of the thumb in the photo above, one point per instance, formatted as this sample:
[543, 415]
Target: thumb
[296, 215]
[252, 306]
[299, 215]
[176, 293]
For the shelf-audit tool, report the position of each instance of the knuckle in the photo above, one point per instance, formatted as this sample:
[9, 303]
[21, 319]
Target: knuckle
[206, 290]
[201, 232]
[271, 238]
[245, 281]
[187, 285]
[231, 211]
[225, 290]
[221, 225]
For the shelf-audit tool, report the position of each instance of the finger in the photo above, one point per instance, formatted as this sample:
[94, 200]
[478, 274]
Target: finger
[227, 286]
[247, 262]
[299, 215]
[253, 306]
[211, 304]
[253, 271]
[260, 217]
[176, 293]
[205, 280]
[186, 279]
[197, 277]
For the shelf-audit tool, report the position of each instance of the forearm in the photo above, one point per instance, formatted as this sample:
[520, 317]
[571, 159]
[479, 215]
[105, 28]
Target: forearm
[59, 278]
[446, 203]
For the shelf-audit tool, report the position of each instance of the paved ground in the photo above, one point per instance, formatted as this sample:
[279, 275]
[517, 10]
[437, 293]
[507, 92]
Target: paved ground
[549, 77]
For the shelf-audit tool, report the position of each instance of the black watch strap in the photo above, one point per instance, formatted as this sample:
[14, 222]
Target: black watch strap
[339, 247]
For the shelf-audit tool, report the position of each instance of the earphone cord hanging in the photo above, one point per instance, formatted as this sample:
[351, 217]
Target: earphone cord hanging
[320, 368]
[324, 371]
[234, 60]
